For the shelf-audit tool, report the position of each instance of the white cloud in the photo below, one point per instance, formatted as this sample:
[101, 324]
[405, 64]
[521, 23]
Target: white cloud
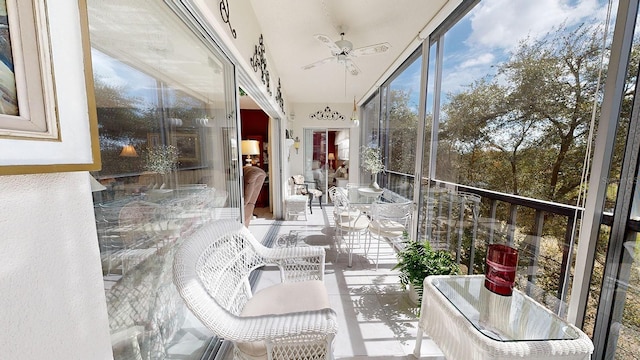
[495, 27]
[502, 23]
[104, 69]
[482, 59]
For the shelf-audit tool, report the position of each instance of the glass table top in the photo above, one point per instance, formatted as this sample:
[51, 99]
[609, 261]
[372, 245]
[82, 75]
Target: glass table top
[361, 195]
[502, 318]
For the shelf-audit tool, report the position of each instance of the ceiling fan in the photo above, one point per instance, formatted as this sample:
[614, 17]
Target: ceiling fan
[342, 51]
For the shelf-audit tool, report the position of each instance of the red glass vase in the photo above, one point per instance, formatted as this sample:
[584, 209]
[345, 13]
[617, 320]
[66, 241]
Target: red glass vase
[500, 269]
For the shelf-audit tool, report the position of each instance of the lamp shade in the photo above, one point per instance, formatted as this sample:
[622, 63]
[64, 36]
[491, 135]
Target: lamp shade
[128, 151]
[250, 147]
[332, 156]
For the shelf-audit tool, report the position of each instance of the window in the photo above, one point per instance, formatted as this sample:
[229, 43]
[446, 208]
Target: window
[399, 126]
[170, 164]
[510, 114]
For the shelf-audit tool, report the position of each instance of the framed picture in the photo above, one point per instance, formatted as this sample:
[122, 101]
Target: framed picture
[27, 94]
[153, 140]
[48, 120]
[188, 145]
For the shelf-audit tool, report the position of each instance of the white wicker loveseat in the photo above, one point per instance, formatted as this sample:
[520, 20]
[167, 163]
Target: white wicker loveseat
[289, 320]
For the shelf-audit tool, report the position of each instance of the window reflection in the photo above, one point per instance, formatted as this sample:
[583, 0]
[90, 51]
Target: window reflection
[169, 166]
[507, 124]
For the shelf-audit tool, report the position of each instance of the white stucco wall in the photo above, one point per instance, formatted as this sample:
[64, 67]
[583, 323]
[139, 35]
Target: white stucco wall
[52, 304]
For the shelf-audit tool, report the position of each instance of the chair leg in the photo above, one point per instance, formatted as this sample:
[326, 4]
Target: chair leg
[310, 201]
[320, 201]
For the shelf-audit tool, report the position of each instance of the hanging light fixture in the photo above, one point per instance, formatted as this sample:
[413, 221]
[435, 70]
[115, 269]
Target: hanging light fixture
[354, 115]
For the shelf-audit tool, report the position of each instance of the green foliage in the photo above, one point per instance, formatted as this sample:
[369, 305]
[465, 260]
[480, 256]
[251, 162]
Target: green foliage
[523, 130]
[402, 127]
[418, 260]
[161, 159]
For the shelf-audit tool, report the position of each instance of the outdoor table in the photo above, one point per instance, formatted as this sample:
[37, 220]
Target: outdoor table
[467, 321]
[354, 222]
[360, 197]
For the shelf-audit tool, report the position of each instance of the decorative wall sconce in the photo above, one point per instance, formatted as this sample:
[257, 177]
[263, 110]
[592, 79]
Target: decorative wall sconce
[296, 143]
[354, 115]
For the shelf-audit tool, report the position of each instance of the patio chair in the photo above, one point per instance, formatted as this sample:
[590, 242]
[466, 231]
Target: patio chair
[350, 223]
[295, 206]
[289, 320]
[301, 187]
[388, 221]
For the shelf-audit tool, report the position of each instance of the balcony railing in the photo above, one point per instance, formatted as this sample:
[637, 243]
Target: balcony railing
[465, 219]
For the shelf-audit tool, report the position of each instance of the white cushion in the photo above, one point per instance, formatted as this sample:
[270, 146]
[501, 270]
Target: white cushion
[386, 228]
[346, 215]
[281, 299]
[358, 224]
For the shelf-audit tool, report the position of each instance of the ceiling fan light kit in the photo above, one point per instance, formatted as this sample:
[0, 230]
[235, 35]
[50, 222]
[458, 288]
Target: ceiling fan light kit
[342, 52]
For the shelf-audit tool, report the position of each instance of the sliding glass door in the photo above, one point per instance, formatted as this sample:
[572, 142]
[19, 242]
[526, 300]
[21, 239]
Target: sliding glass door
[169, 147]
[325, 151]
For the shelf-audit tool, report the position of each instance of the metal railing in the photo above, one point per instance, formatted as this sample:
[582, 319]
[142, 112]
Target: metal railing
[465, 219]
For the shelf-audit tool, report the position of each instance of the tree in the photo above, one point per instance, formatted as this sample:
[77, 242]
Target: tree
[531, 118]
[402, 130]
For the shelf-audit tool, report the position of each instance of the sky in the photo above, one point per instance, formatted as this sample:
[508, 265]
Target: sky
[491, 30]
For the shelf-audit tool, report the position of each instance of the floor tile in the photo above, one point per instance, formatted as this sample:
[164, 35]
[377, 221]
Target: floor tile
[375, 316]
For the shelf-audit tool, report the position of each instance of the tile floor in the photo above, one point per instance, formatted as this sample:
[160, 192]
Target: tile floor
[376, 318]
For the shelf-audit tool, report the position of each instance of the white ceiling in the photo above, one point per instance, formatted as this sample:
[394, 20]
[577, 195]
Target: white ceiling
[289, 26]
[144, 34]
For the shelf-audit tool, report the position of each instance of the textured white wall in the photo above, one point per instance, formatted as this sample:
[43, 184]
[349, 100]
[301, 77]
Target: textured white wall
[52, 303]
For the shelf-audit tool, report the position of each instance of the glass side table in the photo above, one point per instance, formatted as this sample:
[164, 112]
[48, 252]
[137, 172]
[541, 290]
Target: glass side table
[467, 321]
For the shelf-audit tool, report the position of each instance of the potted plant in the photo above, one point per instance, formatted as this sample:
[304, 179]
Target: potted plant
[372, 162]
[161, 159]
[417, 261]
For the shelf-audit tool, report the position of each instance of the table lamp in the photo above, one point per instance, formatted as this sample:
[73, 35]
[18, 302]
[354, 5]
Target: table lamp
[332, 157]
[249, 148]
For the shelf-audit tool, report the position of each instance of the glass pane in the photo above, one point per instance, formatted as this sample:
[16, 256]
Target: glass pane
[426, 215]
[399, 133]
[371, 128]
[624, 325]
[627, 330]
[315, 159]
[169, 165]
[511, 117]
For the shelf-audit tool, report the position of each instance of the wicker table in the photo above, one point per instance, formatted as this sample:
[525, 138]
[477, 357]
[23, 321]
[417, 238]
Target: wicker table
[467, 321]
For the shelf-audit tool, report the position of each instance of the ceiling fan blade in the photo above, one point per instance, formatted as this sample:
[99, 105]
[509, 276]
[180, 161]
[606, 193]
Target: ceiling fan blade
[351, 66]
[371, 49]
[329, 43]
[318, 63]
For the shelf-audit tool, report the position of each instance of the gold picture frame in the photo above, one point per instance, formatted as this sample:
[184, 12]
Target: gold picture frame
[188, 145]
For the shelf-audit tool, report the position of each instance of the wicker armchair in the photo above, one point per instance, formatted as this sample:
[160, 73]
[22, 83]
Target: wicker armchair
[289, 320]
